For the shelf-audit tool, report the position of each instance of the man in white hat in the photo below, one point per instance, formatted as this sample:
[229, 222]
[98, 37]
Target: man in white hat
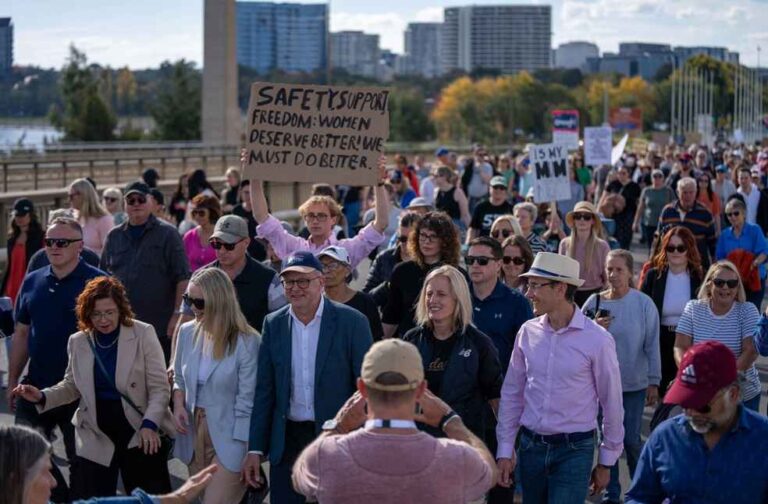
[563, 368]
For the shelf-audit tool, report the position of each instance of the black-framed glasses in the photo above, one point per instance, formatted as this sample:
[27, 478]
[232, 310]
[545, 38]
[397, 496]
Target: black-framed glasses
[506, 233]
[217, 245]
[199, 212]
[680, 249]
[585, 216]
[481, 260]
[735, 213]
[135, 200]
[301, 283]
[517, 261]
[198, 303]
[721, 282]
[428, 238]
[60, 242]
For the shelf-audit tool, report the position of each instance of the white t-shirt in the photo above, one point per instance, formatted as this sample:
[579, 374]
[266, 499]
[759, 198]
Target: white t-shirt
[753, 200]
[677, 293]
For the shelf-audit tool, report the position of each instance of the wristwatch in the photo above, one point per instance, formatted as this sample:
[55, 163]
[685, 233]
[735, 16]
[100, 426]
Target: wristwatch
[447, 418]
[332, 426]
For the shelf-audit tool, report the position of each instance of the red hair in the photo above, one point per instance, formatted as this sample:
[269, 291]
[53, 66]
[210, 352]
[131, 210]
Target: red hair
[660, 261]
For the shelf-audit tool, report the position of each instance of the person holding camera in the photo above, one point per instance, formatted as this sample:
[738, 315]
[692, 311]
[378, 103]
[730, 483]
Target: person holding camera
[633, 321]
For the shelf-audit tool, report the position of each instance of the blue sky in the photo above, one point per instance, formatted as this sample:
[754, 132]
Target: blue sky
[143, 33]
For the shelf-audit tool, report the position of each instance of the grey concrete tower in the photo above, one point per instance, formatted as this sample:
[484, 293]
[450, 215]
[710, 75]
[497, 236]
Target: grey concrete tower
[221, 121]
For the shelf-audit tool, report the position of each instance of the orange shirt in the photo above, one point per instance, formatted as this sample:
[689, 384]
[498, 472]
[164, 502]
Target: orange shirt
[712, 205]
[17, 270]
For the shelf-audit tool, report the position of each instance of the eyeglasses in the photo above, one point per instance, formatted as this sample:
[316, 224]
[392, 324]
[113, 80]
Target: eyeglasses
[135, 200]
[109, 199]
[330, 267]
[60, 242]
[533, 286]
[428, 238]
[217, 245]
[200, 212]
[582, 216]
[506, 233]
[721, 282]
[658, 175]
[319, 217]
[301, 283]
[671, 249]
[198, 303]
[100, 315]
[517, 261]
[735, 213]
[481, 260]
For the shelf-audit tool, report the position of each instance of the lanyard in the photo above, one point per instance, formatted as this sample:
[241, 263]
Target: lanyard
[389, 424]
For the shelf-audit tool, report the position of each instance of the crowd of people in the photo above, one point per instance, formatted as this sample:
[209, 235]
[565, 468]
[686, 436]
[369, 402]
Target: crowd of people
[500, 347]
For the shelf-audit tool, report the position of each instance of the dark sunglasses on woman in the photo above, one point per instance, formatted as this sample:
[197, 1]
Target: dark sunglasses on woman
[198, 303]
[506, 233]
[517, 261]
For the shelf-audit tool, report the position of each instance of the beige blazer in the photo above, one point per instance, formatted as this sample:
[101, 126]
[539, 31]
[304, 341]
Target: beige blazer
[140, 374]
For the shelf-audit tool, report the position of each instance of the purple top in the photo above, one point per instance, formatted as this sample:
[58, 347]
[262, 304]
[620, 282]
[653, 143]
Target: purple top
[197, 255]
[556, 381]
[284, 243]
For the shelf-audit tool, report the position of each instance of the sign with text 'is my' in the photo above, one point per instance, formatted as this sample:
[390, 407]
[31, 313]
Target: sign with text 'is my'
[549, 163]
[305, 133]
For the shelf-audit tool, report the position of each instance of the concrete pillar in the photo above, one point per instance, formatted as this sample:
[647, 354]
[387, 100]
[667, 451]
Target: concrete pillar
[221, 121]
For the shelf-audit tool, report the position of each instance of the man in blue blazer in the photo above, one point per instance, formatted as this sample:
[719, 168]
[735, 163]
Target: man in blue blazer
[309, 361]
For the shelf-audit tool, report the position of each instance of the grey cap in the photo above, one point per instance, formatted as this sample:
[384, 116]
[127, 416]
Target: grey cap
[230, 229]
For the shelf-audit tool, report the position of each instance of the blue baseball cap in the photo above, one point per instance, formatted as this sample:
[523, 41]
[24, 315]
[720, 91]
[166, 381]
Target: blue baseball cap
[722, 169]
[441, 151]
[302, 261]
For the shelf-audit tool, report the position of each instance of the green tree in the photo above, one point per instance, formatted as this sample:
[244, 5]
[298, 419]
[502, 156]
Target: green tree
[408, 120]
[176, 110]
[84, 115]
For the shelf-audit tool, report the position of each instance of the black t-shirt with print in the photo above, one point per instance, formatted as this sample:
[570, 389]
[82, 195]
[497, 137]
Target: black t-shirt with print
[485, 213]
[441, 354]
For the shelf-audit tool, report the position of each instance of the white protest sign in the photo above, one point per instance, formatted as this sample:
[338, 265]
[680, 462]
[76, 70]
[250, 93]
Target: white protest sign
[619, 149]
[597, 145]
[549, 163]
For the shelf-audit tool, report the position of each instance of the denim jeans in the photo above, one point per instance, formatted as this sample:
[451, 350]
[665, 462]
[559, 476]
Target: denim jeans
[555, 473]
[634, 403]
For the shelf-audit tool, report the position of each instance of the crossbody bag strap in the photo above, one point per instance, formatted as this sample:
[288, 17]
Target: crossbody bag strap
[109, 378]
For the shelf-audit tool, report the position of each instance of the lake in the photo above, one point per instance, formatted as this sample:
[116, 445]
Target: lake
[30, 137]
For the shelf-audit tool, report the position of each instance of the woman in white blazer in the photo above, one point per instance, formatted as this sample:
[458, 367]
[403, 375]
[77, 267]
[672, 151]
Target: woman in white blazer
[214, 383]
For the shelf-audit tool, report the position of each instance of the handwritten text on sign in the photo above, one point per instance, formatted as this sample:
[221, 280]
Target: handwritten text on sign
[549, 163]
[316, 133]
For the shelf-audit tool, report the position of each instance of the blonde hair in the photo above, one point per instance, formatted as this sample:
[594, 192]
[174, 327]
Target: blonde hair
[91, 207]
[114, 192]
[629, 263]
[223, 322]
[590, 247]
[333, 208]
[530, 208]
[511, 220]
[233, 171]
[462, 314]
[705, 292]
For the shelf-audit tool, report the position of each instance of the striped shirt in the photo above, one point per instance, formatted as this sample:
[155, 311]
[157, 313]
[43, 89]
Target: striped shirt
[698, 220]
[740, 323]
[537, 243]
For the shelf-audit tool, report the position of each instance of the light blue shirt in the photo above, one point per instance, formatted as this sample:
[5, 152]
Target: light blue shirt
[304, 339]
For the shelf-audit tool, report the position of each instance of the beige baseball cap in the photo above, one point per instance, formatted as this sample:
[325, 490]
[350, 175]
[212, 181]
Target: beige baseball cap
[392, 356]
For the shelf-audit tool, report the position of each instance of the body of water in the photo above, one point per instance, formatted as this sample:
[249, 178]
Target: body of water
[28, 137]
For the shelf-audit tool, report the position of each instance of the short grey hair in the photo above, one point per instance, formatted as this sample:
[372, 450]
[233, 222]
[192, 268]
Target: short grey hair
[686, 183]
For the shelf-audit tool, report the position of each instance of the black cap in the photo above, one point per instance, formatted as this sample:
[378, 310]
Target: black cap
[136, 187]
[23, 206]
[157, 194]
[150, 176]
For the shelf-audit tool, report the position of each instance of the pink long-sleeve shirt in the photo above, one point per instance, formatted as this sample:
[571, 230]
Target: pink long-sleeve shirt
[557, 380]
[284, 244]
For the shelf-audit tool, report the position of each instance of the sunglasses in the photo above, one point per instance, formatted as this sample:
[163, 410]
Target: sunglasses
[198, 303]
[676, 248]
[733, 214]
[720, 283]
[499, 188]
[658, 175]
[217, 245]
[135, 200]
[506, 233]
[60, 242]
[482, 261]
[582, 216]
[517, 261]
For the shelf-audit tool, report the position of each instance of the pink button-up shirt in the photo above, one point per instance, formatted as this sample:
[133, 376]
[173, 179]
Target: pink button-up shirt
[555, 382]
[284, 244]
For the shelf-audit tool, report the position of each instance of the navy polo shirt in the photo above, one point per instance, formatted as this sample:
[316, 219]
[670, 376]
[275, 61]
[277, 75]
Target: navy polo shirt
[47, 305]
[676, 464]
[500, 317]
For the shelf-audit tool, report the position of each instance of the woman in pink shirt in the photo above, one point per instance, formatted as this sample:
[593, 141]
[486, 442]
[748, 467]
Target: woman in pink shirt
[206, 211]
[95, 220]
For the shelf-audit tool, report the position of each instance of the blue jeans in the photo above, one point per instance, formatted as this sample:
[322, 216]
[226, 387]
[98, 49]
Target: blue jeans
[634, 403]
[555, 473]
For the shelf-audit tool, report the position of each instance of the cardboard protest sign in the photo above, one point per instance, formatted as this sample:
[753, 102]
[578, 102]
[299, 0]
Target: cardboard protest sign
[565, 128]
[306, 133]
[626, 118]
[639, 146]
[549, 163]
[597, 145]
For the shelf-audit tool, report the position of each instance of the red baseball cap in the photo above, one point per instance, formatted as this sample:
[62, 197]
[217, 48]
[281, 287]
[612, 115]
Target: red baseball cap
[704, 370]
[685, 157]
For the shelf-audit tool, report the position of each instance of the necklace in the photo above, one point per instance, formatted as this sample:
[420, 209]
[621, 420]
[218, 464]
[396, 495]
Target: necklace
[96, 339]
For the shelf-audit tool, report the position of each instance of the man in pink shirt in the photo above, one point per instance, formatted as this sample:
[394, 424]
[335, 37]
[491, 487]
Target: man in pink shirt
[389, 460]
[321, 214]
[563, 367]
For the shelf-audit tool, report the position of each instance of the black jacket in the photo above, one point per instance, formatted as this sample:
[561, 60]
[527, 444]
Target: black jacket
[654, 286]
[380, 273]
[472, 377]
[34, 243]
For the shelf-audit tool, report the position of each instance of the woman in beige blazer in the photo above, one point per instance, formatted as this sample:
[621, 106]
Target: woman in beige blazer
[110, 434]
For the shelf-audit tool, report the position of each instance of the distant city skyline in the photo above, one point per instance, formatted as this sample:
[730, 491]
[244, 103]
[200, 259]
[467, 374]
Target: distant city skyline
[143, 33]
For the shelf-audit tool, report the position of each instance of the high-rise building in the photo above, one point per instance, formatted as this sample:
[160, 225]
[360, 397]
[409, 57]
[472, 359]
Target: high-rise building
[283, 36]
[575, 54]
[6, 45]
[356, 52]
[506, 38]
[422, 49]
[683, 54]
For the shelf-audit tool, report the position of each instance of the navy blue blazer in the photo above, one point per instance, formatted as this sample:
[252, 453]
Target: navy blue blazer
[345, 337]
